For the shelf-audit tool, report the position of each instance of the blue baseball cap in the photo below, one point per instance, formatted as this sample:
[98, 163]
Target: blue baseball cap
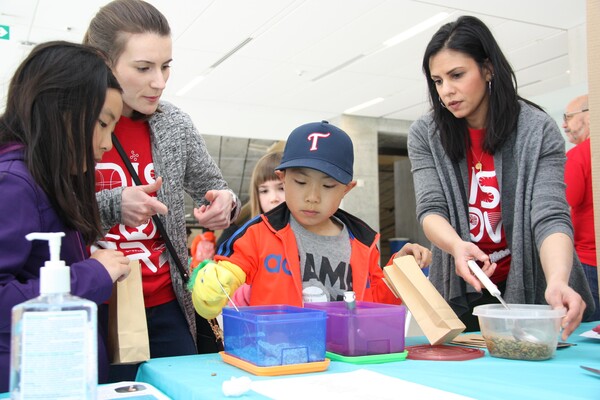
[320, 146]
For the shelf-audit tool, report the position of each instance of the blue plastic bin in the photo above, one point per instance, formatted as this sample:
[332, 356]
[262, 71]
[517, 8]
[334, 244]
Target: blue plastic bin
[275, 335]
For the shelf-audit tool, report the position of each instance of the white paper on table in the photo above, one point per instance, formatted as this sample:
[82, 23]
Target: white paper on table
[591, 334]
[360, 384]
[130, 390]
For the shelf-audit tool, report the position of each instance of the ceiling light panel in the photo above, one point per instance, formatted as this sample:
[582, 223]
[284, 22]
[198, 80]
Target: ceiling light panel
[515, 35]
[545, 70]
[230, 77]
[539, 51]
[186, 65]
[411, 93]
[181, 14]
[549, 85]
[275, 83]
[231, 52]
[414, 30]
[364, 34]
[339, 91]
[364, 105]
[212, 32]
[541, 12]
[297, 37]
[51, 19]
[411, 113]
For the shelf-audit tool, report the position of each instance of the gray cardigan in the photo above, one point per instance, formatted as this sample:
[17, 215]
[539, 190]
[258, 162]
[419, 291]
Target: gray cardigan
[530, 170]
[180, 157]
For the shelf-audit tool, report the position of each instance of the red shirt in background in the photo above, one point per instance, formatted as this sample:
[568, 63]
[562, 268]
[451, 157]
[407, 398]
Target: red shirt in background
[578, 177]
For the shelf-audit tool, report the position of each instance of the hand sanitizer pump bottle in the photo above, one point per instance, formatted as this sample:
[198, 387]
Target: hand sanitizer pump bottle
[54, 344]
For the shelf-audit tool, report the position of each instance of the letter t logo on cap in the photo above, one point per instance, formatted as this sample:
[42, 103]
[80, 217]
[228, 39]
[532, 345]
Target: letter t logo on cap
[315, 137]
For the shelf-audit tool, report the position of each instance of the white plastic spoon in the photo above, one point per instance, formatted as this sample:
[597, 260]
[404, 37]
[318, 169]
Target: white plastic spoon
[489, 285]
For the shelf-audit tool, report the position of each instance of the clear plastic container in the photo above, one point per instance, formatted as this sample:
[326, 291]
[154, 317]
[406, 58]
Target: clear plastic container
[268, 336]
[54, 351]
[368, 329]
[54, 347]
[523, 332]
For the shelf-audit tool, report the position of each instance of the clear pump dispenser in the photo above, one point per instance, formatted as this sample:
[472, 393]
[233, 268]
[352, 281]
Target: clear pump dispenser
[54, 337]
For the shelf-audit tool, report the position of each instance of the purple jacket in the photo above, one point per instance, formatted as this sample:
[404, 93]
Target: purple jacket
[25, 208]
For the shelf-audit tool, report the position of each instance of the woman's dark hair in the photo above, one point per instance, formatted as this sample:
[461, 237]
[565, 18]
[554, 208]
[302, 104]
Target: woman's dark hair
[471, 36]
[54, 101]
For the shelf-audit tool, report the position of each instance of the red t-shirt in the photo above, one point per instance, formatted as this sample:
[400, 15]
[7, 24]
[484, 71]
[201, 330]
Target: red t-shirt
[143, 242]
[485, 211]
[578, 177]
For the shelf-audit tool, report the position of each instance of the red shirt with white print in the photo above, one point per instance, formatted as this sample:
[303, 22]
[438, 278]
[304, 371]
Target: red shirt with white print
[485, 211]
[143, 242]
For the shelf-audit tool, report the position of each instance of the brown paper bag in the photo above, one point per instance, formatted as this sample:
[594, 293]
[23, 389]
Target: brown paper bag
[433, 314]
[127, 327]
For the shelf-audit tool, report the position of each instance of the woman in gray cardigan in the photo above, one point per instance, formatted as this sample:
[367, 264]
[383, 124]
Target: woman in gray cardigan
[488, 172]
[171, 158]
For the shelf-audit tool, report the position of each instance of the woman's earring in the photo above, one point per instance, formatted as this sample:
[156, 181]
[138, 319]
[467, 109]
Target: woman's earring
[490, 86]
[441, 102]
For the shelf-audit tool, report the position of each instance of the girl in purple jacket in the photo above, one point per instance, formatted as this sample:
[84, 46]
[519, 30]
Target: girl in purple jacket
[62, 106]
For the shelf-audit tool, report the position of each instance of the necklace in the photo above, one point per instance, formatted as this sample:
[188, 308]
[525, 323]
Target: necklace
[478, 165]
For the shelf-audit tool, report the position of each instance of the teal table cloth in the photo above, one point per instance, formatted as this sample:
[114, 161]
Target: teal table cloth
[201, 376]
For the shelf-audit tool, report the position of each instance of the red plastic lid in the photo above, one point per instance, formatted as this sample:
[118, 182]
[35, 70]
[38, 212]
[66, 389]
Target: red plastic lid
[442, 352]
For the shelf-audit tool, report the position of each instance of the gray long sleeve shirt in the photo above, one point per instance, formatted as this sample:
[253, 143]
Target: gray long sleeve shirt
[530, 171]
[180, 157]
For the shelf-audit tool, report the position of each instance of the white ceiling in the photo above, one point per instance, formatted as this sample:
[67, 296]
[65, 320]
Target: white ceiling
[312, 59]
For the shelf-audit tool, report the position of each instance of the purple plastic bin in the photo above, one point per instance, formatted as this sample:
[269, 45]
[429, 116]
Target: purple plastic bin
[371, 328]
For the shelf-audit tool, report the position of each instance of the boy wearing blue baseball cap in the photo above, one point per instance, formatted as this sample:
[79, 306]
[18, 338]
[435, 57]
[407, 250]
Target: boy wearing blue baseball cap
[306, 249]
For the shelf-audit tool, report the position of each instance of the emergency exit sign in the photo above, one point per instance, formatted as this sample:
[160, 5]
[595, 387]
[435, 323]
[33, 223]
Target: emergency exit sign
[4, 32]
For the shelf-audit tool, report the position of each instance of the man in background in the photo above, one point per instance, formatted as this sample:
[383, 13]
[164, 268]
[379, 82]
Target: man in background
[578, 177]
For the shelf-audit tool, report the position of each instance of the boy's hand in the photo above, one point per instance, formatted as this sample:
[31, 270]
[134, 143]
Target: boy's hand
[212, 285]
[421, 254]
